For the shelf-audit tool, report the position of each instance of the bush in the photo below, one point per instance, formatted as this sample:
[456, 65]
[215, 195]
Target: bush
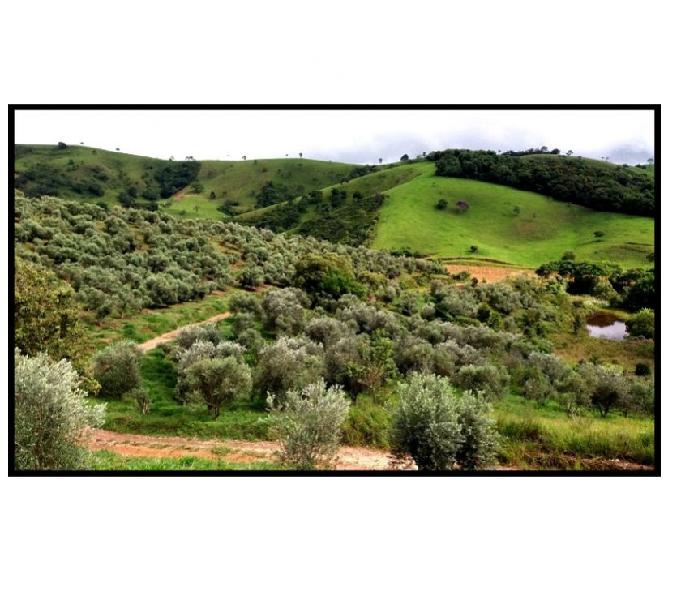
[308, 424]
[218, 381]
[50, 413]
[188, 336]
[642, 369]
[479, 436]
[425, 424]
[368, 424]
[140, 397]
[287, 364]
[642, 324]
[488, 379]
[116, 368]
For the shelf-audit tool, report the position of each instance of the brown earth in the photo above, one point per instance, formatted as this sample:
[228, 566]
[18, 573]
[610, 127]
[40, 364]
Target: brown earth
[169, 336]
[488, 273]
[236, 451]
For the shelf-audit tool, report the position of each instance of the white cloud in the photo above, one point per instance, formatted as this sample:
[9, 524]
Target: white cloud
[352, 135]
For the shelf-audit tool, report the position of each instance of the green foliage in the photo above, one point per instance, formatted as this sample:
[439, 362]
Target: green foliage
[116, 368]
[368, 424]
[50, 414]
[595, 184]
[426, 425]
[46, 318]
[217, 382]
[479, 437]
[326, 276]
[140, 398]
[642, 324]
[442, 204]
[308, 424]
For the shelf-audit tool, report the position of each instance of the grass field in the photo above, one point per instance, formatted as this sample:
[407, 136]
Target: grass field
[109, 461]
[237, 181]
[508, 225]
[150, 323]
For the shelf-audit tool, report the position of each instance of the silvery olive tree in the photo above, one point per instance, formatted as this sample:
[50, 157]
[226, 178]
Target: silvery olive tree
[50, 414]
[308, 424]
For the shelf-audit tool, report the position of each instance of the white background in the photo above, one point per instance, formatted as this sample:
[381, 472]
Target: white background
[349, 538]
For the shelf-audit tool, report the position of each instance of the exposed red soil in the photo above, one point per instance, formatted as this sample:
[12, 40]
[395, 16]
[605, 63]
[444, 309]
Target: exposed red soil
[488, 273]
[235, 451]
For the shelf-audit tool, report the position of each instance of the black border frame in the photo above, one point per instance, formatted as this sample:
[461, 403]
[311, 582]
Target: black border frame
[655, 472]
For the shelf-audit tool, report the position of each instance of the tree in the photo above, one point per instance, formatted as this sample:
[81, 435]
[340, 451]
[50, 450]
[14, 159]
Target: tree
[50, 414]
[300, 154]
[217, 382]
[441, 204]
[47, 319]
[380, 161]
[479, 436]
[474, 249]
[599, 234]
[425, 423]
[140, 397]
[61, 146]
[308, 424]
[116, 368]
[327, 275]
[404, 157]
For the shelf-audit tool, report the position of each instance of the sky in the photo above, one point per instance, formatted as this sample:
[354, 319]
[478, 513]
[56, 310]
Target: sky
[356, 136]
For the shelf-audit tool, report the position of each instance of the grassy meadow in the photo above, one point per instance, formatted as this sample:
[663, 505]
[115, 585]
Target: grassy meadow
[507, 225]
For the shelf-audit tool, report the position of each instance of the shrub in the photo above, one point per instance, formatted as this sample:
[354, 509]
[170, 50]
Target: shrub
[326, 276]
[287, 364]
[425, 424]
[368, 424]
[50, 413]
[140, 397]
[308, 424]
[642, 324]
[218, 381]
[479, 436]
[116, 368]
[442, 204]
[188, 336]
[642, 369]
[488, 379]
[607, 387]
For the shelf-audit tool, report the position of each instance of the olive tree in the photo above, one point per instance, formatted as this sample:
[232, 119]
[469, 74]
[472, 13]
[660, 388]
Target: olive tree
[308, 424]
[218, 382]
[425, 423]
[479, 436]
[116, 368]
[50, 414]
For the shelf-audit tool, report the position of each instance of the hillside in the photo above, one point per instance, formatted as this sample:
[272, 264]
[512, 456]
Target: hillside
[80, 172]
[508, 225]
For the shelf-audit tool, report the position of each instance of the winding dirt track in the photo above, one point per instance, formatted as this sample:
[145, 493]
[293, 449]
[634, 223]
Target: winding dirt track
[171, 335]
[234, 451]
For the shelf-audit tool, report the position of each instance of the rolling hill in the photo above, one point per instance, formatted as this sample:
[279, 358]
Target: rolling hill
[80, 172]
[392, 207]
[507, 225]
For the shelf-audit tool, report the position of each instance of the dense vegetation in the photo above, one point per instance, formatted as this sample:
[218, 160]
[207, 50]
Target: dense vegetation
[594, 184]
[330, 342]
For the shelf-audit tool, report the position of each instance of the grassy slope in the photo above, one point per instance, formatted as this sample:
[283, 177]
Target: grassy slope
[234, 180]
[542, 231]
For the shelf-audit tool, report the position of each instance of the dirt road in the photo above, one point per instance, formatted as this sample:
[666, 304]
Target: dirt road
[171, 335]
[234, 451]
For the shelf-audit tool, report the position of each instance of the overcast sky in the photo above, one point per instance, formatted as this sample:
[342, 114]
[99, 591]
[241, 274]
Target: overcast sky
[356, 136]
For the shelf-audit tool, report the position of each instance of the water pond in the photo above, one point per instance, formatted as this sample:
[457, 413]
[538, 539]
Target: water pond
[606, 325]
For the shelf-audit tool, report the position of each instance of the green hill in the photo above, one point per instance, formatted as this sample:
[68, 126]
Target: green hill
[508, 225]
[80, 172]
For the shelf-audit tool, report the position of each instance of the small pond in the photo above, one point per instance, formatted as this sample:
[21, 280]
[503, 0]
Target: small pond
[606, 325]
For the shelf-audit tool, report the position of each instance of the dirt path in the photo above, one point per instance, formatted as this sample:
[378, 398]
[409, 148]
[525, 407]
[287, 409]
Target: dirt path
[235, 451]
[171, 335]
[488, 273]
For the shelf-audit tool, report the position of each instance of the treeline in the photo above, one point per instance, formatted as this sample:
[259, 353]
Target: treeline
[596, 185]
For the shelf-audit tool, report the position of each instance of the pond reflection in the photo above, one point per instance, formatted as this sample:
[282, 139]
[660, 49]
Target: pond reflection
[606, 325]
